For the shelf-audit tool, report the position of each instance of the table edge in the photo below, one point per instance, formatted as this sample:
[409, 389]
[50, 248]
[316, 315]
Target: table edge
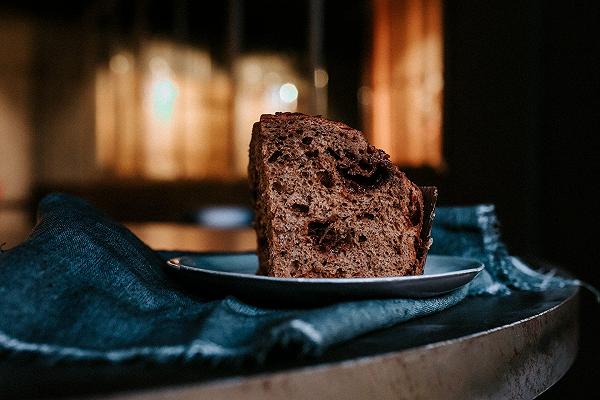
[410, 372]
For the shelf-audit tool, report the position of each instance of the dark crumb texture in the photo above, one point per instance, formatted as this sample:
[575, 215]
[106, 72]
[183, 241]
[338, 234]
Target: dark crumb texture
[329, 205]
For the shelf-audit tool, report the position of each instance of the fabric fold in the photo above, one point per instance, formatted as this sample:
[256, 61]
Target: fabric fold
[82, 288]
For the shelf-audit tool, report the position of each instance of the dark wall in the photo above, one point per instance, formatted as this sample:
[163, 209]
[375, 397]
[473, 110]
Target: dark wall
[492, 113]
[521, 114]
[521, 101]
[570, 124]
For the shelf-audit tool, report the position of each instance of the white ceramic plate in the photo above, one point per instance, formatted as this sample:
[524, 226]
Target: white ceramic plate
[234, 274]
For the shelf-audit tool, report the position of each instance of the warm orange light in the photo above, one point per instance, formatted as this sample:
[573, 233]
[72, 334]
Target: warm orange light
[403, 101]
[265, 83]
[169, 113]
[163, 114]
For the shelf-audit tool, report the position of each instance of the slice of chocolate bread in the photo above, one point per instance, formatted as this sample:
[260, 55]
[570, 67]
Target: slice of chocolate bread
[329, 205]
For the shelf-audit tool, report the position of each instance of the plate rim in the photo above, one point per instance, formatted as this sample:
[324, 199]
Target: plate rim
[177, 265]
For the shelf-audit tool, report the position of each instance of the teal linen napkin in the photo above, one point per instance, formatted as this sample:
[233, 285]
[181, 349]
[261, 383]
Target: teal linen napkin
[83, 288]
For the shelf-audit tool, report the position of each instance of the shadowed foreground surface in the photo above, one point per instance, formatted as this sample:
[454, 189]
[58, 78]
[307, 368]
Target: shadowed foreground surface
[514, 347]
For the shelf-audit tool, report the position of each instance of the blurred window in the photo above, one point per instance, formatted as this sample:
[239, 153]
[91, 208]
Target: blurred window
[402, 98]
[171, 111]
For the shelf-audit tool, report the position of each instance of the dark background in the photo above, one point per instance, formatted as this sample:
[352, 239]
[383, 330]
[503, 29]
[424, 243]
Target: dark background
[521, 115]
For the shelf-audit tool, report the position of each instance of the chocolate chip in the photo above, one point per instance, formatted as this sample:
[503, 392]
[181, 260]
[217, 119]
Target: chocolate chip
[333, 153]
[419, 248]
[277, 186]
[379, 175]
[276, 154]
[364, 164]
[325, 178]
[312, 153]
[415, 214]
[303, 208]
[316, 229]
[367, 216]
[307, 140]
[326, 238]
